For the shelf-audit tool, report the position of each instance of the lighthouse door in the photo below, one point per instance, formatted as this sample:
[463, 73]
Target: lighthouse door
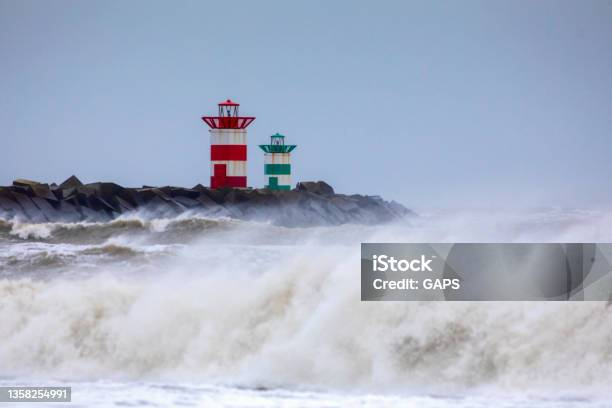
[219, 178]
[273, 182]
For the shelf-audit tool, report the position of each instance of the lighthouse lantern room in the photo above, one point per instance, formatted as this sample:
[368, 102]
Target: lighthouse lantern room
[228, 146]
[277, 167]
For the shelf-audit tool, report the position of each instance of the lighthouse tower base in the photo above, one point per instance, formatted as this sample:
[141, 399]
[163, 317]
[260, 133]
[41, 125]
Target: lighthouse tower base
[277, 171]
[228, 158]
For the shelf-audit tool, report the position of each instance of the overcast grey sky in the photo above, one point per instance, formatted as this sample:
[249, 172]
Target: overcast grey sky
[434, 104]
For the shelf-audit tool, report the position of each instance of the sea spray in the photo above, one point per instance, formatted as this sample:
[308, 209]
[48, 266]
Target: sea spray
[263, 306]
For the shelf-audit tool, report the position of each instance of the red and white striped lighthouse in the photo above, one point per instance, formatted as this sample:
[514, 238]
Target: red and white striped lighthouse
[228, 146]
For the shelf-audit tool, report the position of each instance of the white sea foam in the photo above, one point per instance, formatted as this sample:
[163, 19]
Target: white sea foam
[25, 230]
[257, 305]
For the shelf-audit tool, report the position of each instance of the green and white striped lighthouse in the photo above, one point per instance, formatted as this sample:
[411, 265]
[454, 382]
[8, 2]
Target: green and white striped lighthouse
[277, 167]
